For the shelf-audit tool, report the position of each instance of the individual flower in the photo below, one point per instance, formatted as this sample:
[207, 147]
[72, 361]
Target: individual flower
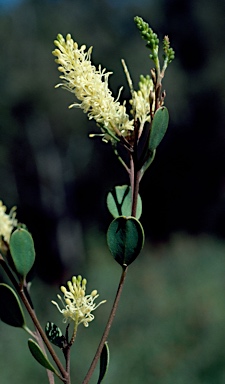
[77, 305]
[90, 86]
[7, 223]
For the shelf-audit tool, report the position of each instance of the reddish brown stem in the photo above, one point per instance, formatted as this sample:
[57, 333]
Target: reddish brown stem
[33, 316]
[107, 328]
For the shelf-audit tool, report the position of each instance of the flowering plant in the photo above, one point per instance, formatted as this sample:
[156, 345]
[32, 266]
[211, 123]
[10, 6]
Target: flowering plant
[134, 135]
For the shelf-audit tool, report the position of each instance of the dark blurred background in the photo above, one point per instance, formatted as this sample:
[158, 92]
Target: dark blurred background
[59, 178]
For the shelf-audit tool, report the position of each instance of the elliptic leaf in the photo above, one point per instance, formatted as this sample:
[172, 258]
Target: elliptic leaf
[22, 251]
[119, 202]
[104, 362]
[40, 356]
[54, 334]
[159, 126]
[11, 311]
[125, 238]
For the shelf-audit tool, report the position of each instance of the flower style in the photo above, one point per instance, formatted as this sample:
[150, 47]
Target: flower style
[7, 223]
[90, 86]
[77, 305]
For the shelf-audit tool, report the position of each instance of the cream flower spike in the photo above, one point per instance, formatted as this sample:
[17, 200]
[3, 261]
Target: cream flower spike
[90, 86]
[77, 305]
[7, 223]
[141, 101]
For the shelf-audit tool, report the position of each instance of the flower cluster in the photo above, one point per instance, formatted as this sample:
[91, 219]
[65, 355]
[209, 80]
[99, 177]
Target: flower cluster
[7, 223]
[77, 305]
[141, 100]
[90, 86]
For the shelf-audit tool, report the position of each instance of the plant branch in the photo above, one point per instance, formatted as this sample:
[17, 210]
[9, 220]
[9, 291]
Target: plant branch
[135, 193]
[121, 160]
[33, 316]
[50, 374]
[134, 175]
[43, 335]
[108, 326]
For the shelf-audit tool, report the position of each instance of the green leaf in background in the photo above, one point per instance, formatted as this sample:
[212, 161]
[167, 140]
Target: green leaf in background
[40, 356]
[22, 251]
[159, 126]
[11, 311]
[104, 362]
[125, 238]
[119, 202]
[54, 334]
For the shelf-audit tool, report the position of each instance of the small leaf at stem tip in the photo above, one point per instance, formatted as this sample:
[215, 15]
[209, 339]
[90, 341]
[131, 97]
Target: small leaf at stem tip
[11, 311]
[104, 362]
[119, 202]
[40, 356]
[125, 238]
[22, 251]
[158, 128]
[54, 334]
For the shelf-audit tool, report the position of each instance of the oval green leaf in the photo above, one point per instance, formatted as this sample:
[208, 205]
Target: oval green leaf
[159, 127]
[22, 251]
[11, 311]
[54, 334]
[119, 202]
[104, 362]
[125, 238]
[40, 356]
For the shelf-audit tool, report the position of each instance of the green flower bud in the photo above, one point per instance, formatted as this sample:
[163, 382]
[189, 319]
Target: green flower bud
[169, 53]
[147, 33]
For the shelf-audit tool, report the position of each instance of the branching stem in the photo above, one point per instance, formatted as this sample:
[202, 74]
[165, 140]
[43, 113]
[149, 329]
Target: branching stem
[20, 291]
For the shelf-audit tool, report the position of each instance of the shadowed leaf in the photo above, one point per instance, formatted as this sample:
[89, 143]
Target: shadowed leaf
[104, 363]
[125, 238]
[11, 311]
[159, 127]
[54, 334]
[39, 356]
[119, 202]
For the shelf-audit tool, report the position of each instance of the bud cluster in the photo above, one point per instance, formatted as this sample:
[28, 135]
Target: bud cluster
[169, 53]
[147, 33]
